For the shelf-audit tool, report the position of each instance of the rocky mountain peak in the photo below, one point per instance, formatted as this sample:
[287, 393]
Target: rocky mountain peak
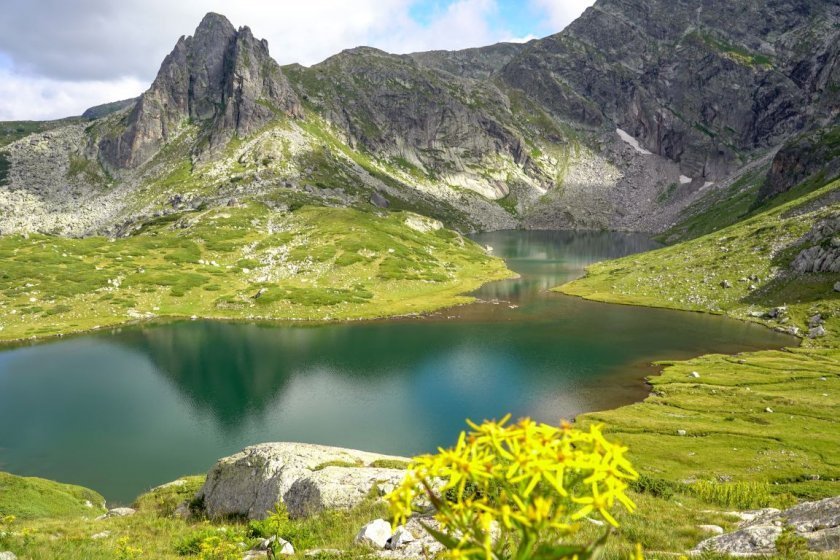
[220, 78]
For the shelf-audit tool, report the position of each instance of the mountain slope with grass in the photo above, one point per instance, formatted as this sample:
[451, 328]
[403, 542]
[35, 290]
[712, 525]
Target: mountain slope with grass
[768, 416]
[254, 260]
[608, 124]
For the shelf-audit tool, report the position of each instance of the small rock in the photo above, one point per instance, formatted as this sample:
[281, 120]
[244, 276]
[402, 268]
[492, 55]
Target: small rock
[777, 312]
[182, 511]
[694, 374]
[118, 512]
[725, 284]
[378, 200]
[255, 555]
[277, 545]
[815, 321]
[102, 535]
[400, 538]
[793, 331]
[837, 286]
[260, 293]
[714, 529]
[375, 534]
[768, 409]
[816, 332]
[319, 552]
[7, 556]
[681, 432]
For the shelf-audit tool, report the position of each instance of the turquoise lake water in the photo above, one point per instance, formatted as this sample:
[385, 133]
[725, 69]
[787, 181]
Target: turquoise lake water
[123, 411]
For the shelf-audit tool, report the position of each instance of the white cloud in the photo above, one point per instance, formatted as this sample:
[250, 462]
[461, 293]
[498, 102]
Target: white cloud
[560, 13]
[64, 56]
[31, 98]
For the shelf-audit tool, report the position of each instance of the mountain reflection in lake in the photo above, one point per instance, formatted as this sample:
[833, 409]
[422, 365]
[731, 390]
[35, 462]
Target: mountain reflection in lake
[120, 412]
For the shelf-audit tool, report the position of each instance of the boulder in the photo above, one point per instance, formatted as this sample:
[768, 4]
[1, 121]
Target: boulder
[837, 286]
[714, 529]
[377, 533]
[377, 199]
[817, 522]
[816, 332]
[306, 478]
[400, 538]
[7, 556]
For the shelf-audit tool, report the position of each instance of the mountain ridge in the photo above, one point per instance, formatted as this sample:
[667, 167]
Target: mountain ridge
[602, 126]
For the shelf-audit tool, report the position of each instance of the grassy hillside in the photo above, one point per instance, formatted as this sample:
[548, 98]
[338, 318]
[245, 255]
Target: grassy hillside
[764, 416]
[35, 498]
[665, 523]
[243, 262]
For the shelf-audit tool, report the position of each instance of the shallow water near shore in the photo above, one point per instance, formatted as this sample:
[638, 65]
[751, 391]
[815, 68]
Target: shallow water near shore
[123, 411]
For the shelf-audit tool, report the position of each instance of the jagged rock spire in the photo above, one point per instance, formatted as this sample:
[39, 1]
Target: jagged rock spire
[220, 78]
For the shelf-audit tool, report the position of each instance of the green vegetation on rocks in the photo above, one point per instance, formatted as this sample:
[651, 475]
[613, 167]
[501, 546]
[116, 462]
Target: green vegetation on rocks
[240, 262]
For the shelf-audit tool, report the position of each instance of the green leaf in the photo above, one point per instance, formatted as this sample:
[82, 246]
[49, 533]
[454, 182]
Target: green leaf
[560, 552]
[444, 539]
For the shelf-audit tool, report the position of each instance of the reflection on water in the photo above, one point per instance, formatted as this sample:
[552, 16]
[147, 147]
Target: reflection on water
[123, 411]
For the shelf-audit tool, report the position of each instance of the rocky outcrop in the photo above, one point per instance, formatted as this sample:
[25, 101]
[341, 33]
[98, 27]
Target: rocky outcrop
[816, 154]
[305, 478]
[822, 248]
[99, 111]
[222, 78]
[817, 522]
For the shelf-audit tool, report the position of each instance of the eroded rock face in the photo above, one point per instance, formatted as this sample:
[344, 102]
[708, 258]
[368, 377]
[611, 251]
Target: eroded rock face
[822, 248]
[477, 63]
[697, 82]
[817, 522]
[434, 122]
[220, 77]
[306, 478]
[815, 153]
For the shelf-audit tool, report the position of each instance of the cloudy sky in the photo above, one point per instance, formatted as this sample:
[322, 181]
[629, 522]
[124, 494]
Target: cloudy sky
[58, 57]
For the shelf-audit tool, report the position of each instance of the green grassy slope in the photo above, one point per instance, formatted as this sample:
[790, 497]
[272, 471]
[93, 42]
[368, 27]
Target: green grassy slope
[764, 416]
[33, 498]
[243, 262]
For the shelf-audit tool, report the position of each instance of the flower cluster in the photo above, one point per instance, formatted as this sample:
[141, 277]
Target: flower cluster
[516, 487]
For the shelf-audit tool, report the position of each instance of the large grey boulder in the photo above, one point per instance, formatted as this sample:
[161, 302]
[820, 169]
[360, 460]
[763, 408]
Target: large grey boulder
[7, 556]
[818, 522]
[306, 478]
